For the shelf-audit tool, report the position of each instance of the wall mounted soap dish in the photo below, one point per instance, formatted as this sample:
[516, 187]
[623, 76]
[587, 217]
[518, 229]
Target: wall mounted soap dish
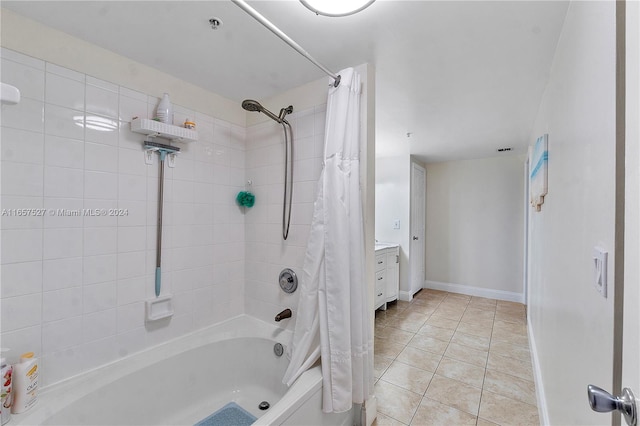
[159, 308]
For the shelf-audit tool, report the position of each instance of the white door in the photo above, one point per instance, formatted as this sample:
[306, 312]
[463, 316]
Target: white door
[627, 375]
[416, 253]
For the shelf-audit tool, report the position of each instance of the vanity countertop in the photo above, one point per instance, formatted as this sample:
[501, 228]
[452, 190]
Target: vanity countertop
[382, 246]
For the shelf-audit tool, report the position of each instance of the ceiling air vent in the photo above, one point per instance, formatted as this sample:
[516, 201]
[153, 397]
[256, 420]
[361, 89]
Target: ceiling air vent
[504, 149]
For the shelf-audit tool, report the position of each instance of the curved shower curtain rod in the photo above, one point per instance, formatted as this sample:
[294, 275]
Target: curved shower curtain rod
[264, 21]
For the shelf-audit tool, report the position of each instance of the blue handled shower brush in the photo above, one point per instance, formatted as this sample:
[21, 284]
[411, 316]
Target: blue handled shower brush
[163, 150]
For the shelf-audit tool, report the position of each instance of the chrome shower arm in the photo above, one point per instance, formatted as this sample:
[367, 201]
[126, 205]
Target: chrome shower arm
[277, 31]
[271, 115]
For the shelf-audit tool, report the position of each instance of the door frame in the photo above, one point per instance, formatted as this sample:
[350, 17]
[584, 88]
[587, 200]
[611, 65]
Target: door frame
[626, 368]
[525, 251]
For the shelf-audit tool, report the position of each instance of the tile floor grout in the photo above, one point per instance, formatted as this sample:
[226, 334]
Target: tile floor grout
[484, 376]
[458, 309]
[441, 358]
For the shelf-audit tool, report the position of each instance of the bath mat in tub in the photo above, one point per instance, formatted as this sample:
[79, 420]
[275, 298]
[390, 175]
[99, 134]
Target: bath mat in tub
[230, 415]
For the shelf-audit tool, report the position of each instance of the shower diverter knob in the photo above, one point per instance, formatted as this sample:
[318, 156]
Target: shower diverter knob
[288, 280]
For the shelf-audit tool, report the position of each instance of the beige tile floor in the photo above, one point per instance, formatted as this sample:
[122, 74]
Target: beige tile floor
[452, 359]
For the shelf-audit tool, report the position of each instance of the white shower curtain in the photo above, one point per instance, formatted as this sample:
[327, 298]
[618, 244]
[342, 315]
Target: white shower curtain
[333, 313]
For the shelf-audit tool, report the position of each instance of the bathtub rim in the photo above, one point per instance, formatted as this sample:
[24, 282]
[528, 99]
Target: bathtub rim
[57, 396]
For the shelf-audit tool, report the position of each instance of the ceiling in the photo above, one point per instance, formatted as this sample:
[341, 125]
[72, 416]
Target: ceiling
[454, 79]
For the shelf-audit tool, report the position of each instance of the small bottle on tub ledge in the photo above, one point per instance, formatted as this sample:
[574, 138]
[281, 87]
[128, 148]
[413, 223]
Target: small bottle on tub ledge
[25, 383]
[5, 393]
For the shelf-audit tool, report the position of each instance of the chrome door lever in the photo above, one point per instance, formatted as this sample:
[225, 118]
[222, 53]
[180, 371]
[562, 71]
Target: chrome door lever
[603, 402]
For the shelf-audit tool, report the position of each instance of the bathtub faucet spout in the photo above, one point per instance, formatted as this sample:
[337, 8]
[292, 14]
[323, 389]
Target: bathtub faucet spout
[284, 314]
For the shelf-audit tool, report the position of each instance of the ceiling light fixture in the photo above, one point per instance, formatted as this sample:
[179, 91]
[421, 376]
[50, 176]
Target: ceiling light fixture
[336, 7]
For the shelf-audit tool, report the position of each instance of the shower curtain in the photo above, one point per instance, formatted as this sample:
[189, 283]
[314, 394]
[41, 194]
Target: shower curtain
[333, 312]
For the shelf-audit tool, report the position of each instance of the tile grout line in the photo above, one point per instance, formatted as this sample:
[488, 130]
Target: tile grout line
[44, 167]
[387, 368]
[441, 356]
[484, 378]
[450, 340]
[436, 369]
[485, 369]
[404, 347]
[406, 311]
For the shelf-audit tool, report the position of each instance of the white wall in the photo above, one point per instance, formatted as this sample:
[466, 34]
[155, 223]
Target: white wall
[474, 232]
[571, 324]
[393, 203]
[73, 288]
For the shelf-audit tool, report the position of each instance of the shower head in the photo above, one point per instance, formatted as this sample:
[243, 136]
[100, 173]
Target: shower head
[254, 106]
[251, 105]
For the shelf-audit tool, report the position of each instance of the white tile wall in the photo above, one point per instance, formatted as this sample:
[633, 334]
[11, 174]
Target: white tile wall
[73, 287]
[266, 252]
[22, 146]
[28, 75]
[22, 179]
[27, 115]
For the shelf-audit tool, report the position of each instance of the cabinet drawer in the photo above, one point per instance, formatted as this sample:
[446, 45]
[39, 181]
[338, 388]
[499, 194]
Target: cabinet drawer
[381, 262]
[380, 280]
[380, 283]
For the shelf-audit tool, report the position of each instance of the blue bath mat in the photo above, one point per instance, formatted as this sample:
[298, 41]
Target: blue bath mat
[230, 415]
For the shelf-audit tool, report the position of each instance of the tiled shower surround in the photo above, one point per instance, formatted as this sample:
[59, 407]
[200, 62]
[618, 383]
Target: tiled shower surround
[73, 287]
[266, 252]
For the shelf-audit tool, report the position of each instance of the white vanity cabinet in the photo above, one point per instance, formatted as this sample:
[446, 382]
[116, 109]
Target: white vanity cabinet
[380, 284]
[393, 274]
[387, 274]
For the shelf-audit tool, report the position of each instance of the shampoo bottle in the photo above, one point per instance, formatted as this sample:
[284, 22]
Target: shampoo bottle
[5, 393]
[25, 383]
[164, 112]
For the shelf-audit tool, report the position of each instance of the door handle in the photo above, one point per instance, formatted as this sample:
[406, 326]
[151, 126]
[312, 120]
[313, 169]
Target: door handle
[415, 238]
[602, 401]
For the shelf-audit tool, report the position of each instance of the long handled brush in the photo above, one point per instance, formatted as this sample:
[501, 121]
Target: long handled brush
[163, 150]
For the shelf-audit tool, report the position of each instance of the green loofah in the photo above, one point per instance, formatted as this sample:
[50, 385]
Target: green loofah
[249, 200]
[246, 199]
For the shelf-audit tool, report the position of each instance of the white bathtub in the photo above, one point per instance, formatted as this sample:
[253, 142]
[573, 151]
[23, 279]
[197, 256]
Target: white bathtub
[184, 381]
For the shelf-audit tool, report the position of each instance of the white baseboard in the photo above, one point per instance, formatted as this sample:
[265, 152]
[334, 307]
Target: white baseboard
[369, 411]
[405, 296]
[543, 412]
[475, 291]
